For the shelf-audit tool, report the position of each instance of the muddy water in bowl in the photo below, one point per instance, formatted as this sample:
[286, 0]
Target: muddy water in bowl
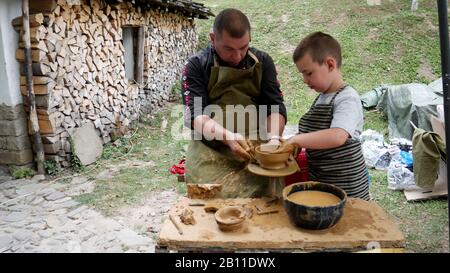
[314, 198]
[314, 205]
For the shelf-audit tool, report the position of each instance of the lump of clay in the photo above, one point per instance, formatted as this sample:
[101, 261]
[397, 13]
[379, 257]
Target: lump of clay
[187, 217]
[203, 191]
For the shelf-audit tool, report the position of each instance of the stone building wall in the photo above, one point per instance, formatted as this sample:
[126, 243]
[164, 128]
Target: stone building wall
[79, 67]
[15, 148]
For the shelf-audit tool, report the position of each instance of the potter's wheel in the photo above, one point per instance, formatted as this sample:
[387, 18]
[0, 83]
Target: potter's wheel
[291, 168]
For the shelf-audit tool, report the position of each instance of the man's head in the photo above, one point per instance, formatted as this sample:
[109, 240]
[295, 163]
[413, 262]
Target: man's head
[318, 58]
[231, 36]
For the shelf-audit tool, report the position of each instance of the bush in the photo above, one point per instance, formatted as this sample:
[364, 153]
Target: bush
[51, 167]
[19, 173]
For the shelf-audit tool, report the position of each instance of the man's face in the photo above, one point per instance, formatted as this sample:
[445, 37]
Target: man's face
[315, 75]
[231, 50]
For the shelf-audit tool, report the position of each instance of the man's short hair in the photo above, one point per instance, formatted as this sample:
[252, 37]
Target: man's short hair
[319, 45]
[233, 21]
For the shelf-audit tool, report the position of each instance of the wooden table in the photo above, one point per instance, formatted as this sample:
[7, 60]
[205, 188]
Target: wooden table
[363, 225]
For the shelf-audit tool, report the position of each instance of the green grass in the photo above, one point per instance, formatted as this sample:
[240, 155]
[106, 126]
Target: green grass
[424, 223]
[383, 44]
[148, 143]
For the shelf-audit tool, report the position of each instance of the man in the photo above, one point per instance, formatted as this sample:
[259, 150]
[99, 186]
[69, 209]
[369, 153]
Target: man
[225, 74]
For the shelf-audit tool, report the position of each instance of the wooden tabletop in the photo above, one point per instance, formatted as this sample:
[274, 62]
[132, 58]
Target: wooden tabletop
[363, 224]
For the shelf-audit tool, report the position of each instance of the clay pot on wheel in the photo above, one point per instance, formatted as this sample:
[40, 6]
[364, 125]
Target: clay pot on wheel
[271, 161]
[230, 218]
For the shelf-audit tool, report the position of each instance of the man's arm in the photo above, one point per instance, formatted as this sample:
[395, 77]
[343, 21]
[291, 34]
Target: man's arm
[275, 124]
[193, 90]
[210, 129]
[271, 95]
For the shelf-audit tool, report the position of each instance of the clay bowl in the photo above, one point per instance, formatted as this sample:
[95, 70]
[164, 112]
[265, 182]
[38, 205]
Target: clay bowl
[314, 217]
[230, 218]
[271, 161]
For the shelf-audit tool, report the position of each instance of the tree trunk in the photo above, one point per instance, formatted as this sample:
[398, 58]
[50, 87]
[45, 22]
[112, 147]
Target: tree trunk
[29, 84]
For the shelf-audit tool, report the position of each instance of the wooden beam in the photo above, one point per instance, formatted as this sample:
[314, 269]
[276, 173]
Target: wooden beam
[36, 55]
[37, 80]
[35, 20]
[44, 6]
[34, 45]
[45, 126]
[38, 90]
[34, 126]
[139, 56]
[38, 69]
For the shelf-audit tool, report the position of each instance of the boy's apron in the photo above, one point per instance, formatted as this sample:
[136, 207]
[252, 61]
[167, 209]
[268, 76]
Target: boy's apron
[212, 161]
[342, 166]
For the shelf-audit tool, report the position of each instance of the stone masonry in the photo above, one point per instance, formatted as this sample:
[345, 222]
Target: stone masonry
[15, 147]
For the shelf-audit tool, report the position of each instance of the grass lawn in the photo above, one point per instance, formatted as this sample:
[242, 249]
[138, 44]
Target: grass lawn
[385, 44]
[150, 143]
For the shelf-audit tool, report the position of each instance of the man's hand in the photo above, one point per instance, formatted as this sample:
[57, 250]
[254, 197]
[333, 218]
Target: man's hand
[238, 146]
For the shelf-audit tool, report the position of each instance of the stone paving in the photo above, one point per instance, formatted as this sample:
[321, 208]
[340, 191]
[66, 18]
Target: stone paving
[39, 216]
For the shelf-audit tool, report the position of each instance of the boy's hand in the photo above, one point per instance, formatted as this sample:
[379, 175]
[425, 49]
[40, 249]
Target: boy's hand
[292, 141]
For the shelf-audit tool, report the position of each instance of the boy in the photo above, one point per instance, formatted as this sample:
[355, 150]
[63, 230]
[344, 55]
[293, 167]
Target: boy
[330, 129]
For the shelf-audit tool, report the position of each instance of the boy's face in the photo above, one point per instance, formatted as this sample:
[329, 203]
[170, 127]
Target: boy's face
[317, 76]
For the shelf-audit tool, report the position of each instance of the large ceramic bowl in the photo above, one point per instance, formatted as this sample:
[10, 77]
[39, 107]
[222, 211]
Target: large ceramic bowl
[314, 217]
[271, 161]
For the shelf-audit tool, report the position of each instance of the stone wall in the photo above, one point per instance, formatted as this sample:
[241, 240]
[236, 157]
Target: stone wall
[15, 148]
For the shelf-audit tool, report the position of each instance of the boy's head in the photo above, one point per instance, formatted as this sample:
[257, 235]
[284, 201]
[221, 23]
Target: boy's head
[318, 58]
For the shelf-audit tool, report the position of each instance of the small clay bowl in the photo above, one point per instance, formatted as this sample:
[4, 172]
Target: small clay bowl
[314, 217]
[230, 218]
[272, 161]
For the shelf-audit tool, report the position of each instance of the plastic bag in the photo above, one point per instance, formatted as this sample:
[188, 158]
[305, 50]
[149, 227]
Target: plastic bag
[402, 143]
[371, 135]
[399, 177]
[407, 159]
[383, 160]
[372, 151]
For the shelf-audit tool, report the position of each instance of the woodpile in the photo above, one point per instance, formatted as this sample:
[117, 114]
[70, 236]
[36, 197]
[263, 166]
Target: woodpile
[79, 67]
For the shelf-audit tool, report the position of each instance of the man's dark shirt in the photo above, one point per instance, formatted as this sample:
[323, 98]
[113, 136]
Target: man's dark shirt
[197, 71]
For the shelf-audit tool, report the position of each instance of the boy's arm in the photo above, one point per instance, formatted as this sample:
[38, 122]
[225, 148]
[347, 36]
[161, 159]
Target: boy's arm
[323, 139]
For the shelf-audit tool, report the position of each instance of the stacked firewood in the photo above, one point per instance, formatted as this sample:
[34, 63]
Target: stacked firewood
[79, 67]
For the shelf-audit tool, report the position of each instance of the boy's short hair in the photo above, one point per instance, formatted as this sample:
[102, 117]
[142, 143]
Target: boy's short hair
[234, 21]
[319, 45]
